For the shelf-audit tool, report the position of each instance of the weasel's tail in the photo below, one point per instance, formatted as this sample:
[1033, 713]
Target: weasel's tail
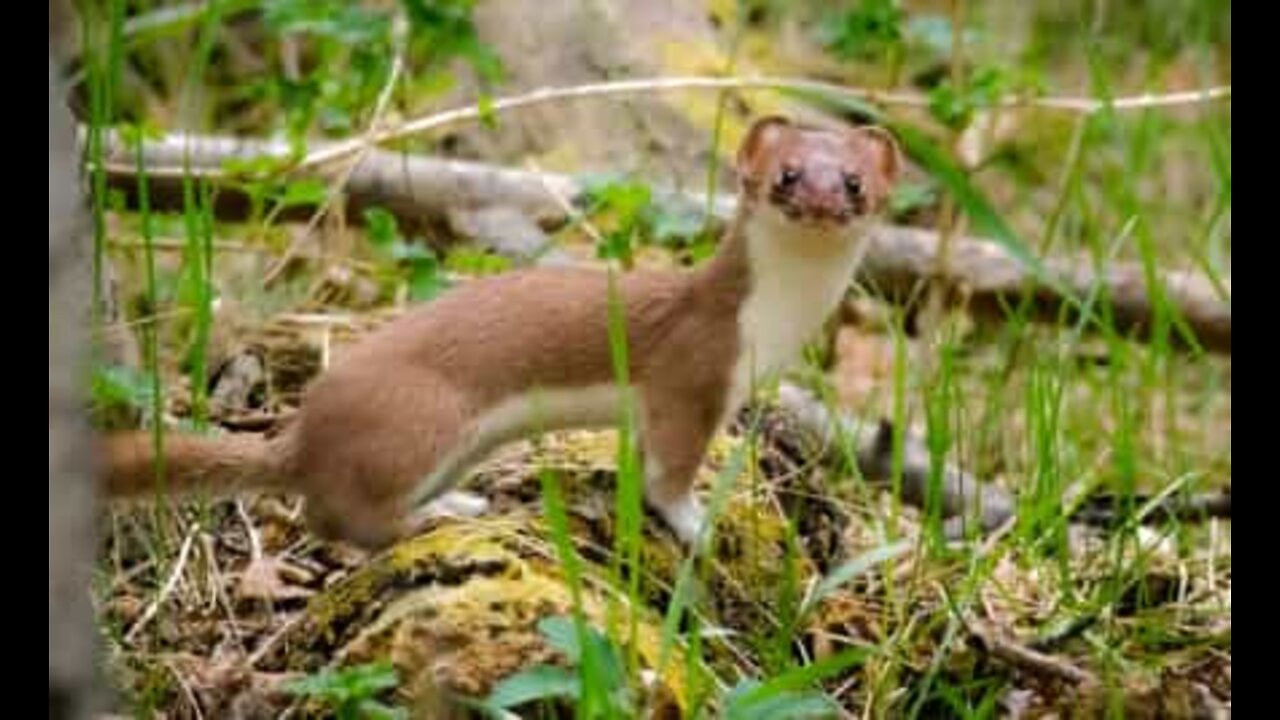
[191, 463]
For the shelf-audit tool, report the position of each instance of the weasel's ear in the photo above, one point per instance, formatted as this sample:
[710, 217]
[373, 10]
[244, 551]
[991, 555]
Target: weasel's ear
[763, 133]
[883, 145]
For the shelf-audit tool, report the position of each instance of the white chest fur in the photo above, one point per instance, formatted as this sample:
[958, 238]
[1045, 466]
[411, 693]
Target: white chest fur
[799, 278]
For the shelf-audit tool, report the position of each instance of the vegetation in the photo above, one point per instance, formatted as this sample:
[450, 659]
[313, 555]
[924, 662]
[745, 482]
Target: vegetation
[820, 595]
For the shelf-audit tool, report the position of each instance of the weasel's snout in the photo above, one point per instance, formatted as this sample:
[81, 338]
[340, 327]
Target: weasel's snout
[835, 212]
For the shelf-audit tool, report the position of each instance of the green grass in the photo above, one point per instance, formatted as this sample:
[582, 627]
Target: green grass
[1044, 409]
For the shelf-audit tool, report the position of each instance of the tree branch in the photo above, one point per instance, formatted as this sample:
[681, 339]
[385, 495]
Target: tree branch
[505, 209]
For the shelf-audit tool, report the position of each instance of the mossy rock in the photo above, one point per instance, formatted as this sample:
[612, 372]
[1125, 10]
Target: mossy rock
[457, 608]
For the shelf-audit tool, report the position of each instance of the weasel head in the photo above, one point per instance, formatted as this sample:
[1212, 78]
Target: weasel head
[816, 181]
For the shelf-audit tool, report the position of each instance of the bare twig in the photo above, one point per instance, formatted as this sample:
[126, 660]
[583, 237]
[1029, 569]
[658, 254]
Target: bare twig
[648, 85]
[255, 543]
[270, 643]
[185, 686]
[563, 202]
[219, 594]
[1105, 509]
[169, 585]
[1009, 651]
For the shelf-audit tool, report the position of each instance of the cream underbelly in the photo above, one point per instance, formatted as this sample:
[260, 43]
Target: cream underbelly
[522, 416]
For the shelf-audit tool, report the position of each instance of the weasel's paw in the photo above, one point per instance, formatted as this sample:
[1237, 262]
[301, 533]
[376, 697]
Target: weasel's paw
[685, 516]
[455, 503]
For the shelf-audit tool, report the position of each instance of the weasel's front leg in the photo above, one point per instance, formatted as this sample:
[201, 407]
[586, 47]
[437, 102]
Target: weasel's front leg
[677, 431]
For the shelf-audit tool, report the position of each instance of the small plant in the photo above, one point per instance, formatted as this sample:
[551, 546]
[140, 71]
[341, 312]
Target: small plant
[632, 218]
[910, 197]
[789, 694]
[363, 40]
[552, 682]
[867, 31]
[258, 178]
[471, 261]
[415, 264]
[350, 692]
[119, 394]
[955, 107]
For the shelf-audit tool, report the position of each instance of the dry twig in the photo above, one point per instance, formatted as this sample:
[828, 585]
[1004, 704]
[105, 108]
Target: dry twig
[660, 84]
[168, 587]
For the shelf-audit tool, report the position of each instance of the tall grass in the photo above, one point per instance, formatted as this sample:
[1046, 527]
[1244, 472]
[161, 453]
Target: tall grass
[103, 76]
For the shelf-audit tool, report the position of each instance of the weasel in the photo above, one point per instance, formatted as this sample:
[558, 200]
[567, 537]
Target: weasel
[392, 426]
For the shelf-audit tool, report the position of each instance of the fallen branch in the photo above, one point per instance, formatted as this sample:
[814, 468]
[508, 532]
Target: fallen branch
[997, 645]
[504, 210]
[989, 280]
[821, 434]
[1105, 510]
[508, 210]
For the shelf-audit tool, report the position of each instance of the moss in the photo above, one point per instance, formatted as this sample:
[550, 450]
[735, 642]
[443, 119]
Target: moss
[457, 608]
[450, 553]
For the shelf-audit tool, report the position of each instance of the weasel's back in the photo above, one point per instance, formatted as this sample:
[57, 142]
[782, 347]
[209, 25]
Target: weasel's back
[544, 326]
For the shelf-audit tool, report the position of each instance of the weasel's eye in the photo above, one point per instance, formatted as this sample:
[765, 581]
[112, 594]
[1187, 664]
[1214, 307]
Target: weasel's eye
[852, 184]
[789, 177]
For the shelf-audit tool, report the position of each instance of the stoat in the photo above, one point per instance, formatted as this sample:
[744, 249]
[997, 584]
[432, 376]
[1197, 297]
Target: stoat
[394, 424]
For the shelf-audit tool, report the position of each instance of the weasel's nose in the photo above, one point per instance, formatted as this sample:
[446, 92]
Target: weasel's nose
[831, 209]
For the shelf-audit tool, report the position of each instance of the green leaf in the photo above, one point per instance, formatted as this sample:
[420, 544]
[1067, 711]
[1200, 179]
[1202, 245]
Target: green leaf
[347, 23]
[673, 227]
[784, 705]
[855, 568]
[488, 117]
[933, 31]
[408, 251]
[381, 227]
[358, 682]
[473, 261]
[615, 245]
[787, 694]
[910, 196]
[115, 385]
[487, 64]
[373, 710]
[309, 191]
[425, 279]
[627, 199]
[865, 30]
[540, 682]
[561, 634]
[257, 167]
[955, 108]
[445, 30]
[335, 120]
[603, 651]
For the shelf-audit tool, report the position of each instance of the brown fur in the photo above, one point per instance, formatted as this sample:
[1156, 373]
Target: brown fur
[385, 416]
[191, 462]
